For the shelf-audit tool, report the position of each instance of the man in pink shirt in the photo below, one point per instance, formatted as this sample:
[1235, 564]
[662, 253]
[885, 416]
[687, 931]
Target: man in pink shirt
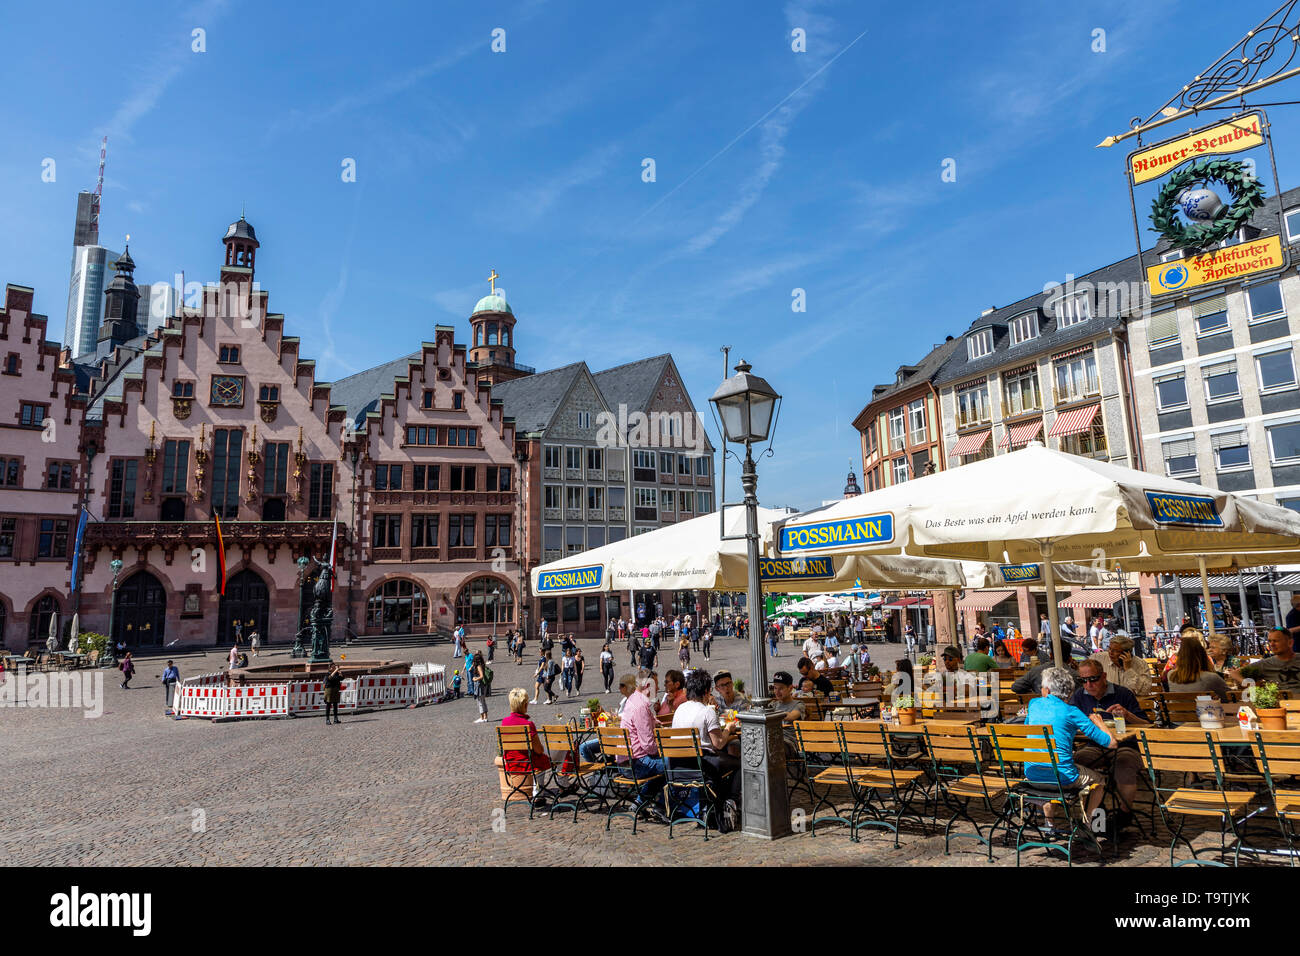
[637, 718]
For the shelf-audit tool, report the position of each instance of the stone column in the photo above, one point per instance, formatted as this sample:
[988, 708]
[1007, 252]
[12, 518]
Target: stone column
[762, 759]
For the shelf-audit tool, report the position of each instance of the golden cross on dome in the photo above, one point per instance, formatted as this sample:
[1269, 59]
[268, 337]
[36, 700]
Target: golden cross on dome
[492, 279]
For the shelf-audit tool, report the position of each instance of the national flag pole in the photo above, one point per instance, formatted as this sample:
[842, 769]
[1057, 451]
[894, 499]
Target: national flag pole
[221, 557]
[334, 540]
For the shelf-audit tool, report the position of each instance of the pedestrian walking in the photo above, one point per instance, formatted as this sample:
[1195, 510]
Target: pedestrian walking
[774, 639]
[552, 672]
[234, 656]
[254, 641]
[519, 648]
[491, 648]
[579, 665]
[633, 648]
[539, 677]
[567, 671]
[607, 667]
[706, 640]
[239, 633]
[333, 693]
[478, 674]
[169, 678]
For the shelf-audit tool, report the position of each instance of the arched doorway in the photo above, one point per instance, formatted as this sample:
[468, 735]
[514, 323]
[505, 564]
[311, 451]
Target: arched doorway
[248, 602]
[140, 618]
[38, 627]
[397, 607]
[485, 601]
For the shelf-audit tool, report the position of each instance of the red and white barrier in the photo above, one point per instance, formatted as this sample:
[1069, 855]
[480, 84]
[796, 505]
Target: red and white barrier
[209, 696]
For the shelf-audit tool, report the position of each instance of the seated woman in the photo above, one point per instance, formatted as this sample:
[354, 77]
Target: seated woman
[1194, 673]
[515, 762]
[1223, 658]
[1001, 656]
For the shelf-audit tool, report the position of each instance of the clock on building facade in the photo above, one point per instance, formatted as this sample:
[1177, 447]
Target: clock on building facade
[227, 390]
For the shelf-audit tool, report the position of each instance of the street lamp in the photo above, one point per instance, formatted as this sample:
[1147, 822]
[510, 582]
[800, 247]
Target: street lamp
[496, 612]
[521, 552]
[355, 455]
[116, 565]
[746, 406]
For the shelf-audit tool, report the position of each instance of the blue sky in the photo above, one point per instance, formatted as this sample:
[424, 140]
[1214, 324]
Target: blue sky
[775, 170]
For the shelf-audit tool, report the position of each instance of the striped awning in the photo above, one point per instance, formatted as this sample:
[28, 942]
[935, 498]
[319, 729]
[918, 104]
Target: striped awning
[983, 600]
[970, 444]
[1220, 583]
[1017, 435]
[1074, 421]
[1288, 582]
[907, 603]
[1095, 597]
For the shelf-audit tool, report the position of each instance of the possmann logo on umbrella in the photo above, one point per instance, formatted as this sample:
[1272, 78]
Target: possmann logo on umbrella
[574, 579]
[795, 569]
[871, 529]
[1021, 572]
[1194, 510]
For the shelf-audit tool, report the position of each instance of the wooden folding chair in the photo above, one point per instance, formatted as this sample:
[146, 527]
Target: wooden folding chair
[822, 754]
[954, 751]
[1178, 707]
[1278, 754]
[625, 781]
[1193, 752]
[518, 781]
[1020, 745]
[684, 771]
[875, 774]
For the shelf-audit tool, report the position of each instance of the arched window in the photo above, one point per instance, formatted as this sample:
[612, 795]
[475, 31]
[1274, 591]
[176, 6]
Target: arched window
[478, 335]
[492, 333]
[397, 607]
[38, 631]
[485, 601]
[505, 335]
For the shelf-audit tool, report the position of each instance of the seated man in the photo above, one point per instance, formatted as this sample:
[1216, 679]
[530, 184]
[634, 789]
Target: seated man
[638, 719]
[1031, 681]
[674, 694]
[1029, 652]
[1124, 667]
[785, 703]
[950, 660]
[722, 768]
[821, 682]
[1282, 668]
[724, 692]
[1066, 720]
[979, 660]
[1098, 697]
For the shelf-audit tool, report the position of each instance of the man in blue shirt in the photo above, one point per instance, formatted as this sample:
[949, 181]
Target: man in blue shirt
[1066, 721]
[1100, 698]
[169, 678]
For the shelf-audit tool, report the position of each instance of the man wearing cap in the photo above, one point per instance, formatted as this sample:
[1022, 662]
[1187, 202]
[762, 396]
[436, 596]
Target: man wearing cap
[951, 656]
[724, 692]
[1123, 667]
[785, 703]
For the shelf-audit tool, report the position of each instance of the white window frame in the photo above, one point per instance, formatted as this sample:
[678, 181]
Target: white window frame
[1207, 373]
[1286, 220]
[1272, 452]
[573, 493]
[897, 429]
[598, 456]
[645, 460]
[918, 436]
[1023, 327]
[1067, 312]
[704, 502]
[570, 451]
[686, 502]
[596, 494]
[1171, 255]
[667, 501]
[1226, 327]
[646, 498]
[557, 451]
[1155, 385]
[985, 413]
[1245, 443]
[1259, 372]
[979, 344]
[1018, 381]
[1267, 316]
[1195, 469]
[552, 491]
[900, 478]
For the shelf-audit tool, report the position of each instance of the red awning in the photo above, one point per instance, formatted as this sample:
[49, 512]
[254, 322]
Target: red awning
[1075, 421]
[970, 444]
[1022, 434]
[983, 600]
[1095, 597]
[900, 604]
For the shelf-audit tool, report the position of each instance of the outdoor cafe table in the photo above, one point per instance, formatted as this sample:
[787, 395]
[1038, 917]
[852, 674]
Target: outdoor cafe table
[13, 660]
[70, 657]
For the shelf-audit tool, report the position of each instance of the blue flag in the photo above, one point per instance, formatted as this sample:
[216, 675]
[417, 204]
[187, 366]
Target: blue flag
[76, 553]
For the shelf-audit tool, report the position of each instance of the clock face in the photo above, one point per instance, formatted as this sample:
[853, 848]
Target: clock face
[227, 390]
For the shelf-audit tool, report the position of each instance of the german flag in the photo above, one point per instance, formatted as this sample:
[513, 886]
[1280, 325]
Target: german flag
[221, 557]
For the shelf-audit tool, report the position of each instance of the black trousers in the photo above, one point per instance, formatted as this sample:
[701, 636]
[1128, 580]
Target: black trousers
[331, 707]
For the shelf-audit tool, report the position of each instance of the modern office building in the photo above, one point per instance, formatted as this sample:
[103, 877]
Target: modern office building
[92, 268]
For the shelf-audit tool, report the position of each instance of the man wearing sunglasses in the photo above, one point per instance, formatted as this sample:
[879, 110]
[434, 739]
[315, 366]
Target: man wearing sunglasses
[1097, 695]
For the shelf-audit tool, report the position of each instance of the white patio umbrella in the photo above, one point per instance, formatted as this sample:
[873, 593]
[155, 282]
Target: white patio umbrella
[53, 642]
[74, 642]
[1037, 505]
[690, 555]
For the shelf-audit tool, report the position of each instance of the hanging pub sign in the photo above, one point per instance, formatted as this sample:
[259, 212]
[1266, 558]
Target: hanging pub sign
[1205, 194]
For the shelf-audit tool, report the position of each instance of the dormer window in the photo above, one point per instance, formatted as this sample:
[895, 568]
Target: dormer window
[1024, 327]
[1292, 218]
[979, 343]
[229, 353]
[1072, 309]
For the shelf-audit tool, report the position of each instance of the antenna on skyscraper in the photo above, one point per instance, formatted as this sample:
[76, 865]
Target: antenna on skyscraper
[99, 185]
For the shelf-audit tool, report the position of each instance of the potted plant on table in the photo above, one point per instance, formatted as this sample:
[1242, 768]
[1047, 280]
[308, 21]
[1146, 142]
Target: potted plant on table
[1266, 699]
[925, 662]
[905, 708]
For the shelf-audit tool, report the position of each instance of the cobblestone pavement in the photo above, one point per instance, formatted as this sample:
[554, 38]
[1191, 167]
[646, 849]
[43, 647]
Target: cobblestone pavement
[396, 787]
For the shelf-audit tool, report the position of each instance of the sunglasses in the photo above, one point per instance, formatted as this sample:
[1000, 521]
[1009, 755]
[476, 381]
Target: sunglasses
[1090, 680]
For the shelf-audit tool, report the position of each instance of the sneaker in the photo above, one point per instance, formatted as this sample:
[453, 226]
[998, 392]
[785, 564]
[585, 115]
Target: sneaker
[481, 720]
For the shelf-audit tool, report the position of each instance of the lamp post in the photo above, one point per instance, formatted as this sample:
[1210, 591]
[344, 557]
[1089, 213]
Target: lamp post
[746, 405]
[496, 611]
[116, 565]
[355, 454]
[521, 550]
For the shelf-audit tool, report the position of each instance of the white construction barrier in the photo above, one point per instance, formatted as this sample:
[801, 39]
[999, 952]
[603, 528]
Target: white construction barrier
[209, 695]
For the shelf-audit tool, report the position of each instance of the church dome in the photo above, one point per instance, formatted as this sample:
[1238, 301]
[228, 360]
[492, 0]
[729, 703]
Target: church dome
[496, 302]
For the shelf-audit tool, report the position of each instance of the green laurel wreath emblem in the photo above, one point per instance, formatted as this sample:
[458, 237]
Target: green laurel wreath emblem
[1247, 196]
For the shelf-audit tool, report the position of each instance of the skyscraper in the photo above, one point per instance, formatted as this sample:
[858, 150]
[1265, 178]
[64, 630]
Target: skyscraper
[90, 267]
